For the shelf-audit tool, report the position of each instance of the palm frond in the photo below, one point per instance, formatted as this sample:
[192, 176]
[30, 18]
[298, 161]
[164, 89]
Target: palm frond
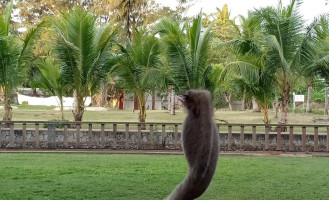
[29, 41]
[5, 20]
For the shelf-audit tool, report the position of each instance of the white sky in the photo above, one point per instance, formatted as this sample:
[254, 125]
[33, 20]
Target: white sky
[309, 9]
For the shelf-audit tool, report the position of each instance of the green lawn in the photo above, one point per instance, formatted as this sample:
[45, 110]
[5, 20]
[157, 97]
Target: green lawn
[44, 113]
[143, 177]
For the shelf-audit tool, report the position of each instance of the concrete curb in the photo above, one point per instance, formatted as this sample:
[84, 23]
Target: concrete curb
[171, 152]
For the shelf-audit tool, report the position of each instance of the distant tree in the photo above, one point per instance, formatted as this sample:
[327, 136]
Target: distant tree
[186, 51]
[224, 27]
[84, 54]
[289, 46]
[140, 68]
[49, 80]
[15, 57]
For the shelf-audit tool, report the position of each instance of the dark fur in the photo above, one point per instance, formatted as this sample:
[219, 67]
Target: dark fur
[200, 143]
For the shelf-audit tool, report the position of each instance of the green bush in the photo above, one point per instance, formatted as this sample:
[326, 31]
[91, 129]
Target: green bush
[58, 124]
[25, 103]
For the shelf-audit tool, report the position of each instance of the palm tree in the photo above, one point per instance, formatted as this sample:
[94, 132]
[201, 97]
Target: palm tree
[140, 68]
[50, 80]
[288, 46]
[249, 68]
[319, 66]
[15, 57]
[84, 54]
[187, 51]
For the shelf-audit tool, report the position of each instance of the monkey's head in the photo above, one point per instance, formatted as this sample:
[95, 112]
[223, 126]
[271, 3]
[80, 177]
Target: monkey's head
[197, 101]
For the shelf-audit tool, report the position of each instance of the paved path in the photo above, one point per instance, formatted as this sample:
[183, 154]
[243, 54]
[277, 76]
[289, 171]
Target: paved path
[168, 152]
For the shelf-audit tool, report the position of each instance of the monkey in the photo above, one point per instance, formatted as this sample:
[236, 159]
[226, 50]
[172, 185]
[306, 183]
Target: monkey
[200, 144]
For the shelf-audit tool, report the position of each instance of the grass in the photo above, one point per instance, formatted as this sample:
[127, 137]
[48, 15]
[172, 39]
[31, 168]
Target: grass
[148, 177]
[45, 113]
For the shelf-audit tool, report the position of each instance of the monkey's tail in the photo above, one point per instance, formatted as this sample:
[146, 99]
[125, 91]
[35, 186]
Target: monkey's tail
[193, 186]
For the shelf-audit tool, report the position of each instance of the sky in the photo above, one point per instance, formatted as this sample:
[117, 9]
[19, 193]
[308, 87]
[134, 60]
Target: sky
[309, 9]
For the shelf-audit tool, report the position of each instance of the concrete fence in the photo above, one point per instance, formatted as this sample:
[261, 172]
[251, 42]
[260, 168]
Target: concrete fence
[128, 135]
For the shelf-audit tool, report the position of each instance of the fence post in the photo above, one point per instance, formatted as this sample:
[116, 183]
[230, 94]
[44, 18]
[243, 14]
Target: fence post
[65, 135]
[175, 137]
[267, 129]
[127, 136]
[78, 126]
[115, 139]
[254, 137]
[316, 138]
[242, 137]
[278, 139]
[229, 138]
[12, 135]
[163, 136]
[24, 135]
[327, 139]
[291, 138]
[90, 135]
[139, 136]
[51, 136]
[151, 136]
[102, 135]
[304, 138]
[37, 136]
[0, 134]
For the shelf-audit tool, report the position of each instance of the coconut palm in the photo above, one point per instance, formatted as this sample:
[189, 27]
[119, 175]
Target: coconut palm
[288, 44]
[50, 80]
[248, 67]
[319, 66]
[140, 68]
[84, 54]
[15, 56]
[187, 51]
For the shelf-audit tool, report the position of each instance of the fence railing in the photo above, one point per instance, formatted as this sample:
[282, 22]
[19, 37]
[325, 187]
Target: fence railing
[133, 135]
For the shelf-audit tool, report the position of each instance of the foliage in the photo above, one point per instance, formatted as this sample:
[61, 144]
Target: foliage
[289, 46]
[15, 57]
[187, 50]
[50, 81]
[140, 69]
[84, 53]
[248, 67]
[224, 26]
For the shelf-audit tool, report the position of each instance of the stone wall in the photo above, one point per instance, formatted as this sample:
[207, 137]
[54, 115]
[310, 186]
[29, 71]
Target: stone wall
[160, 141]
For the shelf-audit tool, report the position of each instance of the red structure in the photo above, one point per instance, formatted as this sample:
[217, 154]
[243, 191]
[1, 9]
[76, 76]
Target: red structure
[121, 100]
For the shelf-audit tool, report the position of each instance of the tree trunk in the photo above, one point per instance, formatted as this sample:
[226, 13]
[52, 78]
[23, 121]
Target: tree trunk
[172, 102]
[228, 96]
[264, 110]
[142, 109]
[103, 94]
[255, 107]
[285, 103]
[78, 107]
[62, 108]
[153, 100]
[244, 99]
[276, 106]
[8, 109]
[309, 97]
[169, 100]
[326, 99]
[2, 95]
[7, 100]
